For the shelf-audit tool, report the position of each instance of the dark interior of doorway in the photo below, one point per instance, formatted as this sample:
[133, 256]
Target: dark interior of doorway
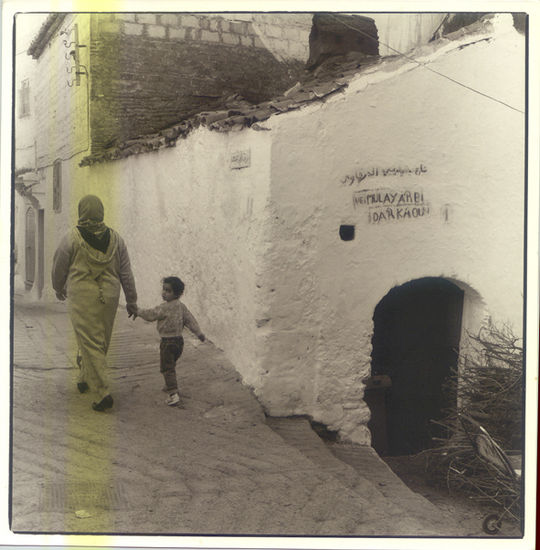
[30, 248]
[417, 329]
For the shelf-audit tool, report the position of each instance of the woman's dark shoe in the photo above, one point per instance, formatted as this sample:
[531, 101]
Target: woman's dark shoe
[105, 403]
[82, 387]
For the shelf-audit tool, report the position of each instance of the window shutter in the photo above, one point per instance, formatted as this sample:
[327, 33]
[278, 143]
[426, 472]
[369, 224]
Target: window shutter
[57, 186]
[24, 99]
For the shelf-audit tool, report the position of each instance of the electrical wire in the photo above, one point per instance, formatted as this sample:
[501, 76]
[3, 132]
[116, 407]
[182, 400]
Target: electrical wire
[444, 20]
[426, 67]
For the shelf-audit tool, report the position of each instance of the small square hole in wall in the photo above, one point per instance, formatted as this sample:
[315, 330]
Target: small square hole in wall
[346, 232]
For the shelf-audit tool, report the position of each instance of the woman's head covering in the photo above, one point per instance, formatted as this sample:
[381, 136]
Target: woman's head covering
[91, 211]
[90, 224]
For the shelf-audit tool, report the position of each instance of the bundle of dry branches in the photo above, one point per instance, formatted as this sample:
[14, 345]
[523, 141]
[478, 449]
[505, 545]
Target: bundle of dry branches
[489, 388]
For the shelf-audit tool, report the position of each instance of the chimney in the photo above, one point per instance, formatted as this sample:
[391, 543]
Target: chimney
[334, 34]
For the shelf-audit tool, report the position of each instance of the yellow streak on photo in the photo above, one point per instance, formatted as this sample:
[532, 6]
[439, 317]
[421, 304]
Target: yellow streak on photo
[90, 439]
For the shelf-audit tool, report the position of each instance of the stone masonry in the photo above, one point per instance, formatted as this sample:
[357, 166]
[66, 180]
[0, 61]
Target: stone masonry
[150, 70]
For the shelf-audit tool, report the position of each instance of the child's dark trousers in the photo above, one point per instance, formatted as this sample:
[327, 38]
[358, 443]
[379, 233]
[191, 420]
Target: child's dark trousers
[170, 350]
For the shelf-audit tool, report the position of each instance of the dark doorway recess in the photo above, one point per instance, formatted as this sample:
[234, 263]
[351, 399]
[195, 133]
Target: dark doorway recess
[41, 251]
[30, 248]
[417, 329]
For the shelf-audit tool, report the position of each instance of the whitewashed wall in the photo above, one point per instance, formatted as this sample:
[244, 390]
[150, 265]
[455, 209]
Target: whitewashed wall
[258, 246]
[402, 32]
[62, 126]
[466, 155]
[27, 25]
[187, 211]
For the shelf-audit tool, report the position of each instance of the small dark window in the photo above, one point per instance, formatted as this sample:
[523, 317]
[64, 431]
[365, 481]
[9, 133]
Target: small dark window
[24, 98]
[346, 232]
[57, 186]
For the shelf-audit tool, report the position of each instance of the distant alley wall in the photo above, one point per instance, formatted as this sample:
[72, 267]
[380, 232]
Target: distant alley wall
[62, 105]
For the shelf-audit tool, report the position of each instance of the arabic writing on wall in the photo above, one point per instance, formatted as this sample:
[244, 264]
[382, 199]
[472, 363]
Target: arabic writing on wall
[361, 175]
[241, 159]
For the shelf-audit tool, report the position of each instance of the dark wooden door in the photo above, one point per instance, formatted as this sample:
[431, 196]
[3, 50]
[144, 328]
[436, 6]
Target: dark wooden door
[417, 329]
[30, 248]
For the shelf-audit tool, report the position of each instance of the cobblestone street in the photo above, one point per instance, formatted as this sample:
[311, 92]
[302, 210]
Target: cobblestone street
[217, 466]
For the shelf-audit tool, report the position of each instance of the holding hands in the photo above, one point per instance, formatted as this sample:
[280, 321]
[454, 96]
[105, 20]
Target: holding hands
[132, 310]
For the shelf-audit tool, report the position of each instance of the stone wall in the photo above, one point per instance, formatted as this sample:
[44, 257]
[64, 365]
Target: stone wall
[150, 70]
[286, 35]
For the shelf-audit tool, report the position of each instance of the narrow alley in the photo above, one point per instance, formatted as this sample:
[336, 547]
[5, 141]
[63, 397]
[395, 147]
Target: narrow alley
[216, 466]
[344, 197]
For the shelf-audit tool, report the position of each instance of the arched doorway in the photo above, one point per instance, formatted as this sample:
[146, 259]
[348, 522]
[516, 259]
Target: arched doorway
[417, 329]
[30, 249]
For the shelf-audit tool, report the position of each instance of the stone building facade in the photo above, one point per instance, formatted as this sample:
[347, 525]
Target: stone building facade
[145, 71]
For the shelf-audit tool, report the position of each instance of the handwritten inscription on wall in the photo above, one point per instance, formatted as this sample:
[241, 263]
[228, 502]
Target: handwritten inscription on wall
[241, 159]
[396, 171]
[389, 205]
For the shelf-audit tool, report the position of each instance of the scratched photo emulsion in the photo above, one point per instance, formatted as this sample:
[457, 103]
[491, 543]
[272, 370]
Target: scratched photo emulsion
[268, 274]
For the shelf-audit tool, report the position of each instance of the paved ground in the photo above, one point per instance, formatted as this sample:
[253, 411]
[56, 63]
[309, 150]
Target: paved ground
[218, 466]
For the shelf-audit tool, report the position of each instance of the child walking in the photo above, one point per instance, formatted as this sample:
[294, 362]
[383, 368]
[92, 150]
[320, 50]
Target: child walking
[171, 316]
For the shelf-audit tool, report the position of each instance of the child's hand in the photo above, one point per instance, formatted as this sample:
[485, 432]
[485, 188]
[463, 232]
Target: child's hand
[202, 337]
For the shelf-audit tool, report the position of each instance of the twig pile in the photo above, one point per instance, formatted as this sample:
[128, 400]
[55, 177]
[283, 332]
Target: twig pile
[489, 387]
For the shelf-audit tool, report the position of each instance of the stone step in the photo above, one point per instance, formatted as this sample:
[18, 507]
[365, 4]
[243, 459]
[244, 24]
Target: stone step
[364, 459]
[297, 432]
[357, 466]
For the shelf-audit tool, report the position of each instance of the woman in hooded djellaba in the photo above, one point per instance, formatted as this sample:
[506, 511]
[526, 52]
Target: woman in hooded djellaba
[89, 267]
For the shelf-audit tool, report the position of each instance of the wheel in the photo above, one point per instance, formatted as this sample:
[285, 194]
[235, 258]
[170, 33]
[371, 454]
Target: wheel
[492, 524]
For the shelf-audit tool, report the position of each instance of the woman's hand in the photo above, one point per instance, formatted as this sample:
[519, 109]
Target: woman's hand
[132, 310]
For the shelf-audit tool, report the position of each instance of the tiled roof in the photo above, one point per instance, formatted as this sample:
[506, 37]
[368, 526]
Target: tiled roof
[49, 27]
[329, 78]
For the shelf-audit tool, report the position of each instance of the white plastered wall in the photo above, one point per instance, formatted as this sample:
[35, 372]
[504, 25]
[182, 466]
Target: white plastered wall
[467, 152]
[257, 242]
[194, 211]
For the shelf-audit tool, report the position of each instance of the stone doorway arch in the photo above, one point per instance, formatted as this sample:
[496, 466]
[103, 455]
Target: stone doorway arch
[415, 346]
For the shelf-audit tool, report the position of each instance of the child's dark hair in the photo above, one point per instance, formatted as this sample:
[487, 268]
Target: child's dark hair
[176, 284]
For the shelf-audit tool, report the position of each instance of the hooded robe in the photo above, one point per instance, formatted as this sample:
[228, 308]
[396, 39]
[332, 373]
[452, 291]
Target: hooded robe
[90, 266]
